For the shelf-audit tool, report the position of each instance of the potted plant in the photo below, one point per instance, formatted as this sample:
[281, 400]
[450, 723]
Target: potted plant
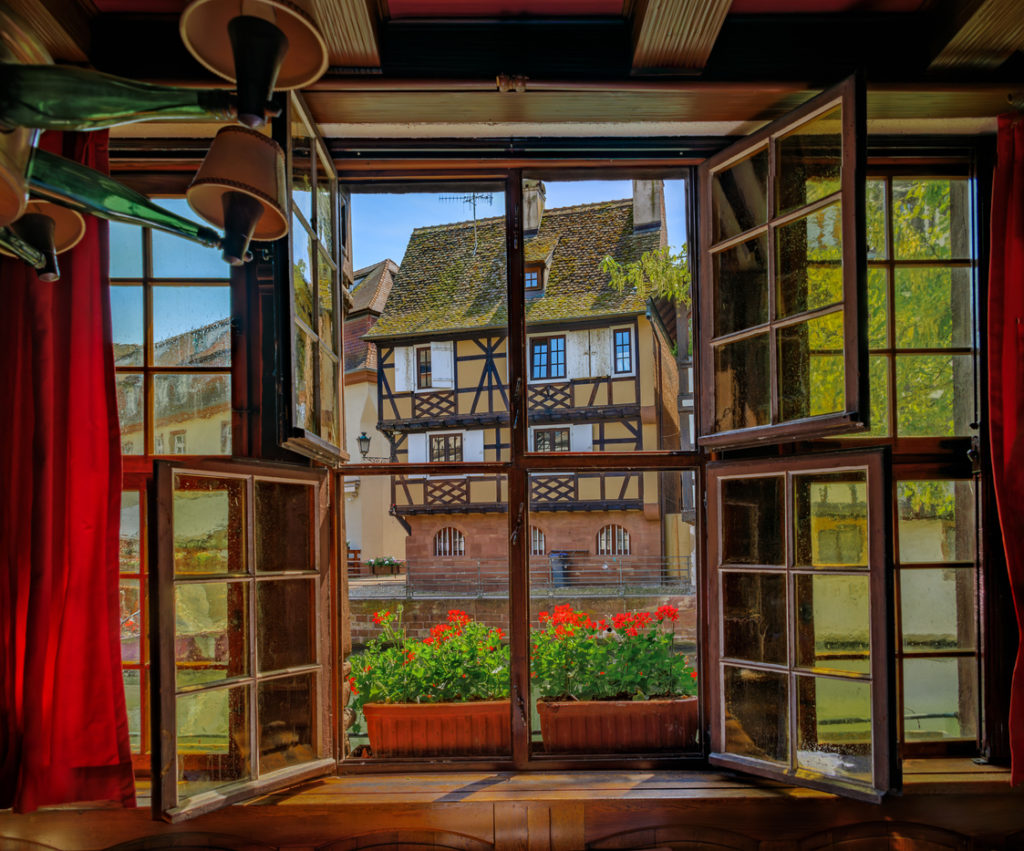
[615, 687]
[384, 565]
[442, 695]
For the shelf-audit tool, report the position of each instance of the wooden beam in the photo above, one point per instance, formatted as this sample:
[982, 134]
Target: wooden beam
[61, 25]
[351, 30]
[983, 35]
[675, 36]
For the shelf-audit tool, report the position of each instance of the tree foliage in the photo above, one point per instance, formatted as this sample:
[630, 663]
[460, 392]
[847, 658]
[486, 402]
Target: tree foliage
[658, 272]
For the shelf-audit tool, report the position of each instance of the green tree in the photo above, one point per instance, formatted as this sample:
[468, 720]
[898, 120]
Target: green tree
[658, 272]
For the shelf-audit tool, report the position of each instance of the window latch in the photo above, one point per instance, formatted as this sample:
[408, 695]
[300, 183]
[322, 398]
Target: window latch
[516, 394]
[518, 527]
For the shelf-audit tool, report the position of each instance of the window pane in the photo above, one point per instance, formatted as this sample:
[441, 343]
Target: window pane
[210, 632]
[330, 411]
[743, 397]
[878, 377]
[833, 623]
[940, 699]
[741, 279]
[809, 272]
[191, 326]
[878, 308]
[754, 617]
[934, 395]
[831, 519]
[286, 722]
[936, 521]
[834, 727]
[130, 406]
[302, 273]
[128, 325]
[325, 288]
[740, 196]
[812, 368]
[877, 249]
[933, 307]
[756, 705]
[931, 219]
[302, 170]
[809, 162]
[209, 525]
[305, 379]
[753, 512]
[285, 613]
[132, 678]
[129, 541]
[324, 206]
[174, 257]
[125, 250]
[284, 521]
[188, 411]
[130, 605]
[213, 739]
[938, 610]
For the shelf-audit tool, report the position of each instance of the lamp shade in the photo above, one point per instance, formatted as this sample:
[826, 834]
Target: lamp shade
[15, 152]
[204, 29]
[51, 230]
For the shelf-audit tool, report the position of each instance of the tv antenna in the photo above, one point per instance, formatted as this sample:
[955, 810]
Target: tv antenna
[470, 198]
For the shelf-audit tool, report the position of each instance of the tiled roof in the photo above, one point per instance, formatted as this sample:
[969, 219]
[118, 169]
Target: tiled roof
[358, 353]
[443, 286]
[371, 286]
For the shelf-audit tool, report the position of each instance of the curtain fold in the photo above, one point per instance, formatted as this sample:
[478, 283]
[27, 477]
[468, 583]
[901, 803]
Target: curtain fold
[63, 724]
[1006, 387]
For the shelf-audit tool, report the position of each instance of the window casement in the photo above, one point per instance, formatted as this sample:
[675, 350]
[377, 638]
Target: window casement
[445, 447]
[533, 279]
[622, 351]
[178, 443]
[613, 540]
[551, 440]
[423, 381]
[536, 541]
[449, 542]
[547, 358]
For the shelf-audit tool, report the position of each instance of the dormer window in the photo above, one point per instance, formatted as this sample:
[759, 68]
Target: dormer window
[533, 279]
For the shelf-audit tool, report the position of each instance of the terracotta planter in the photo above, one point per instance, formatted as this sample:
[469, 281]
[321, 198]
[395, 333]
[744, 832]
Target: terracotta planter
[615, 726]
[476, 728]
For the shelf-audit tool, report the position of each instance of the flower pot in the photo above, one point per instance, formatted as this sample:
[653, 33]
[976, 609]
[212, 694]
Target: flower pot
[615, 726]
[474, 728]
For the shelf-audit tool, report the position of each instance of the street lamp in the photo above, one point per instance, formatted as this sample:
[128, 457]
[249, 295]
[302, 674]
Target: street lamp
[364, 443]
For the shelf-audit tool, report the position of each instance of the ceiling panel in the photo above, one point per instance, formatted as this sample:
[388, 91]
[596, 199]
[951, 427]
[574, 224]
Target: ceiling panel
[502, 8]
[818, 7]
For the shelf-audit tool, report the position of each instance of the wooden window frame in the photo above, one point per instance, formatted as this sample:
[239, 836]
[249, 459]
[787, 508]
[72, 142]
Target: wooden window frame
[553, 434]
[629, 351]
[619, 541]
[423, 368]
[452, 441]
[533, 278]
[547, 342]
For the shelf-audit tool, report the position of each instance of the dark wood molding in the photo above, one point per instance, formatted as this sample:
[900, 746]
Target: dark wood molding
[977, 34]
[671, 37]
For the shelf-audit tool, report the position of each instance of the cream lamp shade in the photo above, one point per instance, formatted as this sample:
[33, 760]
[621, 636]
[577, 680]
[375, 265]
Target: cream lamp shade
[15, 152]
[51, 230]
[241, 188]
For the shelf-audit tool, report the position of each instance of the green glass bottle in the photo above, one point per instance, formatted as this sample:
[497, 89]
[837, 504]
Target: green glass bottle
[14, 245]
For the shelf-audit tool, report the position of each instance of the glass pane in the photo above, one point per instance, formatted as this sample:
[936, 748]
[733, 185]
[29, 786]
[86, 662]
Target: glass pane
[812, 372]
[936, 521]
[741, 286]
[933, 307]
[753, 520]
[330, 412]
[756, 705]
[931, 219]
[129, 541]
[739, 198]
[878, 380]
[190, 411]
[302, 170]
[809, 162]
[743, 379]
[130, 405]
[938, 609]
[191, 326]
[209, 525]
[127, 323]
[877, 249]
[833, 622]
[831, 519]
[325, 276]
[210, 631]
[286, 722]
[940, 699]
[934, 395]
[132, 678]
[130, 607]
[213, 739]
[324, 207]
[125, 250]
[174, 257]
[304, 377]
[878, 308]
[302, 273]
[809, 273]
[286, 617]
[754, 617]
[285, 523]
[834, 727]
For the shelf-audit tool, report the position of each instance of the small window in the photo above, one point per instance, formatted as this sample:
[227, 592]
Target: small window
[533, 279]
[225, 437]
[536, 541]
[547, 358]
[158, 445]
[623, 350]
[449, 541]
[613, 540]
[178, 442]
[423, 373]
[446, 447]
[551, 440]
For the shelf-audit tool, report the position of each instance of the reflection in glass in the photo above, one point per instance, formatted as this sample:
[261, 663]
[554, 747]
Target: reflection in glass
[743, 384]
[130, 613]
[324, 205]
[940, 698]
[132, 678]
[129, 541]
[127, 321]
[191, 326]
[209, 525]
[753, 512]
[809, 256]
[812, 370]
[189, 411]
[739, 196]
[305, 380]
[938, 609]
[833, 622]
[878, 308]
[325, 278]
[210, 632]
[130, 406]
[936, 520]
[877, 249]
[831, 518]
[834, 727]
[302, 273]
[213, 739]
[302, 171]
[878, 378]
[330, 411]
[285, 612]
[934, 395]
[754, 617]
[756, 705]
[177, 258]
[931, 219]
[284, 520]
[741, 286]
[286, 722]
[933, 307]
[125, 250]
[809, 162]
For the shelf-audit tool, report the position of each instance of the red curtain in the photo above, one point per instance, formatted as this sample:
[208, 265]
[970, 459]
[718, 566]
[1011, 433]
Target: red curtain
[63, 726]
[1006, 387]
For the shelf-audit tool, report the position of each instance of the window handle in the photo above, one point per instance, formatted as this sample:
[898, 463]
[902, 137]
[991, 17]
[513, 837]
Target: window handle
[516, 394]
[518, 527]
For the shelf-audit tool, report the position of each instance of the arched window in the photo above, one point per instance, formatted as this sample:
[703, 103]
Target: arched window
[613, 540]
[449, 541]
[536, 541]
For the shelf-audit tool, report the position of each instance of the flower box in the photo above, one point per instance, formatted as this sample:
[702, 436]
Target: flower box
[616, 726]
[473, 728]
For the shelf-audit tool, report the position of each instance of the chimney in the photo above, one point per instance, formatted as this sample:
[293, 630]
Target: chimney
[648, 204]
[533, 206]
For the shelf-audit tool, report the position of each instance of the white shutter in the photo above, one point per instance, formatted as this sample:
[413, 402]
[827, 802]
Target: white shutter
[442, 372]
[600, 352]
[417, 444]
[577, 354]
[581, 437]
[405, 372]
[473, 445]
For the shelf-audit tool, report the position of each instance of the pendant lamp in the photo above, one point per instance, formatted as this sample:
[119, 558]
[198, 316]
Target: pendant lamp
[51, 230]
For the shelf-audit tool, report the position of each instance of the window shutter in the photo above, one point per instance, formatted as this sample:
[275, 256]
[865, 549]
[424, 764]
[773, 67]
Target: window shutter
[473, 445]
[441, 364]
[577, 354]
[581, 438]
[600, 351]
[404, 369]
[417, 444]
